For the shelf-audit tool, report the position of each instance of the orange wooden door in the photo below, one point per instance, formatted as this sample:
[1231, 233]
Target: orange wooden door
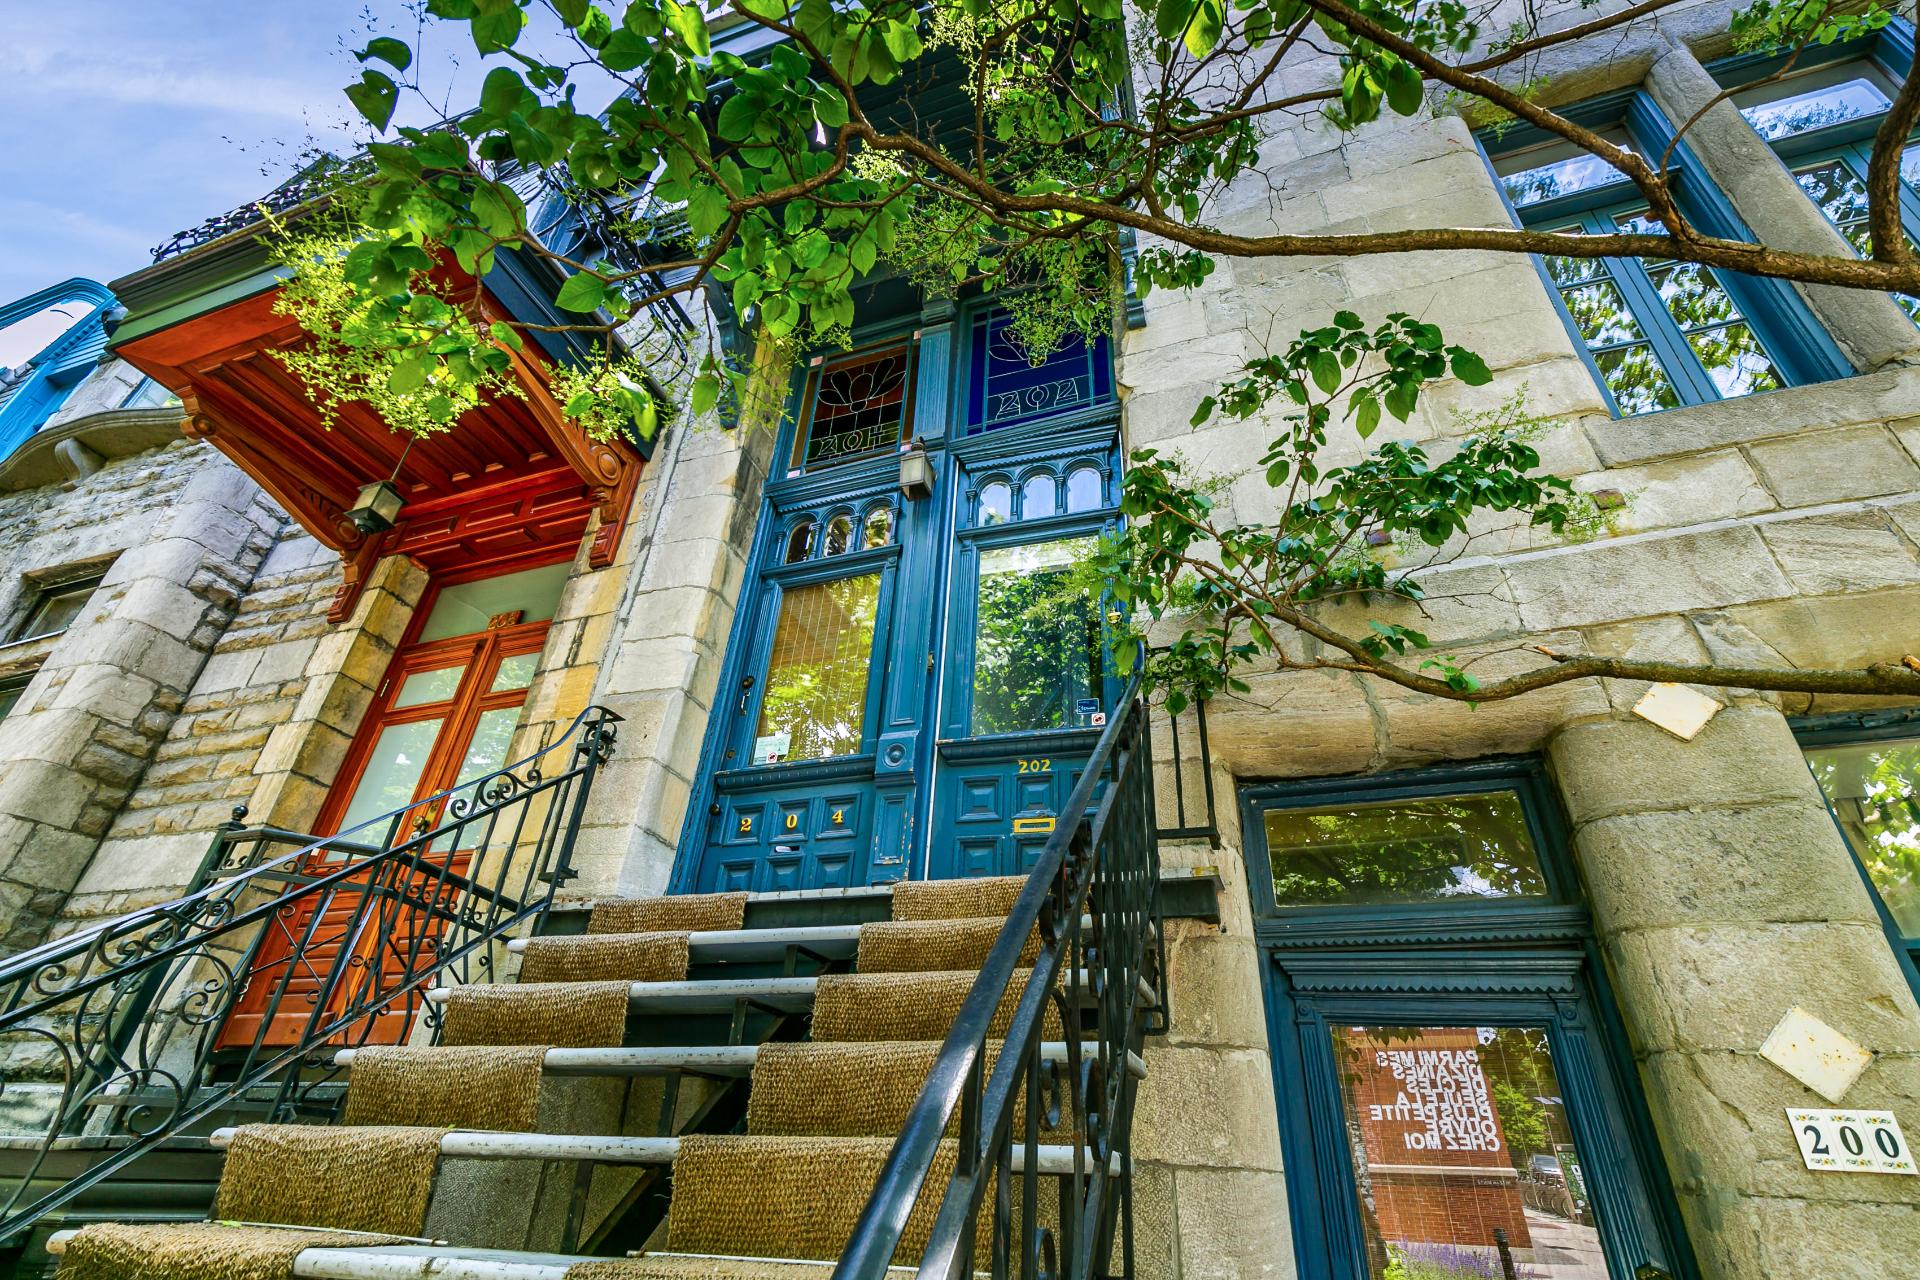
[444, 716]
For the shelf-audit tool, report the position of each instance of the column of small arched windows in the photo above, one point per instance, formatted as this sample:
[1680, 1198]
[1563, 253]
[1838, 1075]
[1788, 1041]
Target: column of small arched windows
[808, 537]
[1039, 493]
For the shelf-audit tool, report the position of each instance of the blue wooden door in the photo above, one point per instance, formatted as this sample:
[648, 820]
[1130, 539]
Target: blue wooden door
[914, 679]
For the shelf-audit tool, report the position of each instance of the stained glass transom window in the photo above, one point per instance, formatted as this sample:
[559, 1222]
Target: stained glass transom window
[856, 407]
[1008, 386]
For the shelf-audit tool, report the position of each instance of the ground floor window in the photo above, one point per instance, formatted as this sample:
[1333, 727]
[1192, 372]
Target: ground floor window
[1868, 768]
[1455, 1097]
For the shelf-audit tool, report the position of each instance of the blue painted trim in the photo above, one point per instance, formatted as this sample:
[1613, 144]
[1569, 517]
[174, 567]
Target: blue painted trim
[58, 368]
[1521, 962]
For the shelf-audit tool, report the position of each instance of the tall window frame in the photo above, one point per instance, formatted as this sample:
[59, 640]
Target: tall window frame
[1858, 729]
[1841, 148]
[1795, 347]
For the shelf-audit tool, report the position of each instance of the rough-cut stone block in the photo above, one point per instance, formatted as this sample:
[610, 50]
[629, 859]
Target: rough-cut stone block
[1852, 551]
[1644, 575]
[1204, 1107]
[1722, 987]
[1775, 863]
[1214, 987]
[1833, 466]
[1746, 756]
[1233, 1225]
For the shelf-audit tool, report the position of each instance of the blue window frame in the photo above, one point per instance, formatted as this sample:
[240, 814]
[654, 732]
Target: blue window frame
[1446, 1056]
[1868, 767]
[1821, 122]
[1656, 334]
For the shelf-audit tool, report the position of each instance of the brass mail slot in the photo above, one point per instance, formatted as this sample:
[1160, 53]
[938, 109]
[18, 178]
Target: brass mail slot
[1031, 826]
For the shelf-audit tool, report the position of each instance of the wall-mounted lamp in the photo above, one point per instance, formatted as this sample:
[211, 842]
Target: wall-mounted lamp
[916, 471]
[377, 509]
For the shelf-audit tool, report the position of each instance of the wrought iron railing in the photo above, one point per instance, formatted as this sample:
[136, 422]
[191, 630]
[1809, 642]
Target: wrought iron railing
[1093, 896]
[237, 995]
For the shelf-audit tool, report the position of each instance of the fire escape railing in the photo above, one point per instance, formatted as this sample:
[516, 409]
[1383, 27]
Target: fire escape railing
[124, 1033]
[1093, 896]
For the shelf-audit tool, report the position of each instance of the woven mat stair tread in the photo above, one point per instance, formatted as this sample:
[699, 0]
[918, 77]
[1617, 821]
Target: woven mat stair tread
[606, 957]
[787, 1197]
[854, 1088]
[909, 1006]
[671, 1266]
[375, 1179]
[564, 1015]
[451, 1086]
[956, 899]
[196, 1251]
[921, 946]
[695, 912]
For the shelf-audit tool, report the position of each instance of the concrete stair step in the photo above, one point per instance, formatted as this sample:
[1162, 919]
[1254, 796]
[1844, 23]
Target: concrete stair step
[712, 1060]
[721, 995]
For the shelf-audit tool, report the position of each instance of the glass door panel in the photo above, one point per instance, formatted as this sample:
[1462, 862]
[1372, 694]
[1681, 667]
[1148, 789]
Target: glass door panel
[1873, 789]
[1463, 1155]
[1037, 657]
[815, 701]
[392, 774]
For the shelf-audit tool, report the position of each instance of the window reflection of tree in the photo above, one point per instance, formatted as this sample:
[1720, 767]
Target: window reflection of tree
[817, 678]
[1874, 792]
[1038, 639]
[1435, 848]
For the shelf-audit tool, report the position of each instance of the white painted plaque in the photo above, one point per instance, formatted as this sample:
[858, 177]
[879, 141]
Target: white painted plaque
[1851, 1141]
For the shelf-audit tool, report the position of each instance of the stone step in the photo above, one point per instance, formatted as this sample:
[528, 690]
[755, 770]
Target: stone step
[1056, 1159]
[715, 1060]
[722, 995]
[748, 946]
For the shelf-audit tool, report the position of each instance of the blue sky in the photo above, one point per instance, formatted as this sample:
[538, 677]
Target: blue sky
[125, 121]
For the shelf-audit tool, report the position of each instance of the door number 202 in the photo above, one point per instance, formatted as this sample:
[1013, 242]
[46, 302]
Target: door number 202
[1035, 766]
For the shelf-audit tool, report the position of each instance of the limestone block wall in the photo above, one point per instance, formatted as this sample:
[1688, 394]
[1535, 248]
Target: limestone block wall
[251, 684]
[1775, 529]
[180, 533]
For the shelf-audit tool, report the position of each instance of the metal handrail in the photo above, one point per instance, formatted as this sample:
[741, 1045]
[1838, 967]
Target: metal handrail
[1103, 848]
[145, 1007]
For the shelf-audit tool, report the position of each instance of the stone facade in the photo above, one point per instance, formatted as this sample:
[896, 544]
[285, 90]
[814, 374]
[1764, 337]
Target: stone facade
[1779, 529]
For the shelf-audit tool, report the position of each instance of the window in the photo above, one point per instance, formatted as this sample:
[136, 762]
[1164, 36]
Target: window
[54, 607]
[1435, 849]
[10, 690]
[856, 406]
[149, 395]
[1821, 123]
[1037, 652]
[1008, 383]
[816, 693]
[1657, 334]
[1873, 790]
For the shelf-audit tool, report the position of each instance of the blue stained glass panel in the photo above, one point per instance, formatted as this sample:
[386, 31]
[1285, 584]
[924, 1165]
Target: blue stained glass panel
[1005, 386]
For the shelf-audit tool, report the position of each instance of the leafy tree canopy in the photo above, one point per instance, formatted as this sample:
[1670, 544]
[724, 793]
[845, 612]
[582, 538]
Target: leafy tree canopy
[781, 176]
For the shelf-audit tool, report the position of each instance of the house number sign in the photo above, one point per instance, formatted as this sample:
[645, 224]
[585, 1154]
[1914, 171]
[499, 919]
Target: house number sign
[1851, 1141]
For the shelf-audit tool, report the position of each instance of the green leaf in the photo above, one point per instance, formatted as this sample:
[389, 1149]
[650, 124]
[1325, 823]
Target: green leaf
[390, 51]
[1470, 368]
[1203, 33]
[572, 12]
[1403, 88]
[502, 91]
[1325, 368]
[1170, 19]
[582, 293]
[579, 406]
[497, 30]
[738, 116]
[374, 97]
[1202, 411]
[1367, 417]
[690, 25]
[706, 393]
[507, 336]
[1348, 320]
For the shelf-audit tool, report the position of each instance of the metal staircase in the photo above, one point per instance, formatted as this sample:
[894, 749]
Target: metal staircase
[940, 1076]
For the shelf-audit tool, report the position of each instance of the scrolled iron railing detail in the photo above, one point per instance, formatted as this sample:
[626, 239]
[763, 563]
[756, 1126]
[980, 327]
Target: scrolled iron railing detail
[132, 1031]
[1093, 896]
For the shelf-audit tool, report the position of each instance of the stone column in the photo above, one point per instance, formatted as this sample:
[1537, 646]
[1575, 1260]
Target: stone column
[107, 694]
[1723, 896]
[1869, 326]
